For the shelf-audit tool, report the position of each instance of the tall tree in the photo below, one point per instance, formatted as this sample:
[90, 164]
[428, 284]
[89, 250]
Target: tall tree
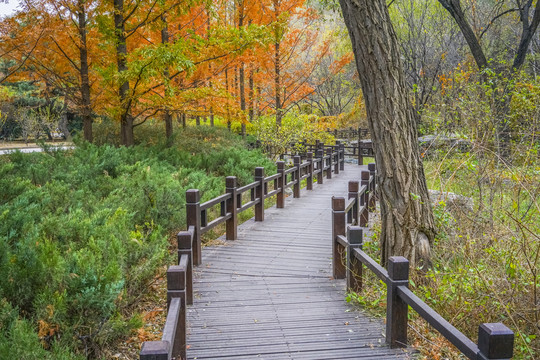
[408, 227]
[529, 16]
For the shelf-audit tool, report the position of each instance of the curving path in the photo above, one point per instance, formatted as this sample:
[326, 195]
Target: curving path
[270, 295]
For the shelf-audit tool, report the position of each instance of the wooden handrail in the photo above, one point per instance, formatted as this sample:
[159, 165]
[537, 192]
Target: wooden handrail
[495, 341]
[180, 277]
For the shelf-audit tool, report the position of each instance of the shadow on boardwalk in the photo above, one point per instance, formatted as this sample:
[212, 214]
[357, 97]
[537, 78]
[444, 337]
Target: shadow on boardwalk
[270, 295]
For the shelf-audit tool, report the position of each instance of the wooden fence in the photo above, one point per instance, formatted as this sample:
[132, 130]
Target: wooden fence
[495, 340]
[359, 151]
[180, 277]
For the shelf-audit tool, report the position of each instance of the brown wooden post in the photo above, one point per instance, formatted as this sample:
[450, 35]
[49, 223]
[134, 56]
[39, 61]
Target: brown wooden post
[354, 266]
[341, 157]
[176, 288]
[320, 175]
[185, 239]
[154, 350]
[309, 183]
[373, 197]
[193, 217]
[297, 176]
[282, 181]
[396, 308]
[329, 163]
[336, 158]
[364, 216]
[495, 341]
[360, 157]
[354, 187]
[338, 228]
[231, 226]
[317, 144]
[259, 194]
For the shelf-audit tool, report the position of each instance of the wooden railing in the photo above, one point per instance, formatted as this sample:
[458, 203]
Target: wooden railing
[180, 277]
[349, 217]
[361, 150]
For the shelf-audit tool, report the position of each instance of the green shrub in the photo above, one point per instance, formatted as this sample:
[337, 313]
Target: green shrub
[83, 232]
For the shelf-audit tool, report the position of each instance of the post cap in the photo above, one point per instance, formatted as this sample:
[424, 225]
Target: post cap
[280, 165]
[495, 341]
[176, 278]
[154, 350]
[338, 203]
[355, 235]
[398, 268]
[354, 186]
[259, 171]
[371, 167]
[230, 181]
[185, 239]
[365, 175]
[193, 196]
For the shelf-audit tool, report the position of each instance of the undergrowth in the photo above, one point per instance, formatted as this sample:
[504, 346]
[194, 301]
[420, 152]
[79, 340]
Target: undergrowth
[83, 232]
[485, 258]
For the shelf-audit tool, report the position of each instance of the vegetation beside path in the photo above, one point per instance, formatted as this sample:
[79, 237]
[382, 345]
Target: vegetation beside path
[84, 232]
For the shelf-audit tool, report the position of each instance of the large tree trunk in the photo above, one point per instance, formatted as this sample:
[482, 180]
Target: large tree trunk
[407, 220]
[126, 120]
[83, 72]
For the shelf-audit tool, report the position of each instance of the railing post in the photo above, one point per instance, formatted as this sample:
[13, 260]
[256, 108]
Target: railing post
[364, 198]
[297, 176]
[396, 308]
[336, 157]
[282, 181]
[193, 217]
[185, 239]
[495, 341]
[309, 183]
[320, 175]
[354, 187]
[259, 194]
[231, 226]
[360, 153]
[329, 163]
[372, 198]
[342, 157]
[176, 287]
[154, 350]
[354, 266]
[338, 228]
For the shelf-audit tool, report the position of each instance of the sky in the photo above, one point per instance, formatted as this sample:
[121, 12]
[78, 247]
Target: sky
[7, 9]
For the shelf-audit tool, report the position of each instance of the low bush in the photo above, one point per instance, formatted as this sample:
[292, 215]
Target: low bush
[83, 232]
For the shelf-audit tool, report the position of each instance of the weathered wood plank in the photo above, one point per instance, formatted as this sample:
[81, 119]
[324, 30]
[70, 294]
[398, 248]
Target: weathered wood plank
[269, 294]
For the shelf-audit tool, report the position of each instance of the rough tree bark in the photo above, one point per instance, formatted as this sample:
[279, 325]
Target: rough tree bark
[408, 228]
[167, 115]
[86, 110]
[126, 120]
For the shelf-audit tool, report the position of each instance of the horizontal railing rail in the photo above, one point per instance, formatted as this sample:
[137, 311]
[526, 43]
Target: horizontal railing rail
[349, 219]
[360, 150]
[232, 203]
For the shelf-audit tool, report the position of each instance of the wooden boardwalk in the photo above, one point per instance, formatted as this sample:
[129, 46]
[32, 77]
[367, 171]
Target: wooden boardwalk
[270, 295]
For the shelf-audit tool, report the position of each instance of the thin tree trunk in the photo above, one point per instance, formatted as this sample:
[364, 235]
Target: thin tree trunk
[86, 112]
[407, 220]
[126, 120]
[251, 96]
[167, 115]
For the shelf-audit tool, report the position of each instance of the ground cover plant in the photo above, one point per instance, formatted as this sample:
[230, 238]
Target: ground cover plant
[83, 232]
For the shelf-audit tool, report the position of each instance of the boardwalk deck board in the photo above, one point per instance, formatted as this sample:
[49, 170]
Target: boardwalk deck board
[270, 295]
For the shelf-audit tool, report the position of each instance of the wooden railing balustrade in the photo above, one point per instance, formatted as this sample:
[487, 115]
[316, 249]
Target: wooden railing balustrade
[231, 204]
[349, 218]
[360, 151]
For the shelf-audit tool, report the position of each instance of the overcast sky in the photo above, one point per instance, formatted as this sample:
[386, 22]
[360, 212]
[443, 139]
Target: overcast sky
[7, 9]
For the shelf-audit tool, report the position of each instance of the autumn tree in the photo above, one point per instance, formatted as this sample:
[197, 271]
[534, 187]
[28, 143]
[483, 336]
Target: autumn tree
[528, 13]
[407, 220]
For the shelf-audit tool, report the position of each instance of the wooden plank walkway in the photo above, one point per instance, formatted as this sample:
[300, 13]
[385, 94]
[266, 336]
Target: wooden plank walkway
[270, 295]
